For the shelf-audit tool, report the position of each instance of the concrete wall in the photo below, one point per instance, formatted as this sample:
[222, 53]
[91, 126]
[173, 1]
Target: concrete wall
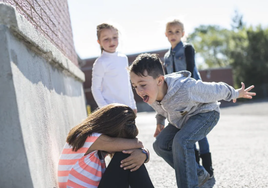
[41, 98]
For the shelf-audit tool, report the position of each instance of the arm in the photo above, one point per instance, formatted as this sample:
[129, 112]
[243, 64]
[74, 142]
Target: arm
[206, 92]
[159, 128]
[97, 78]
[190, 61]
[160, 119]
[136, 159]
[160, 124]
[164, 65]
[110, 144]
[132, 100]
[131, 94]
[165, 70]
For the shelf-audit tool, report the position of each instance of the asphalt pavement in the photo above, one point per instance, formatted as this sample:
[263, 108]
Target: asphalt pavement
[238, 143]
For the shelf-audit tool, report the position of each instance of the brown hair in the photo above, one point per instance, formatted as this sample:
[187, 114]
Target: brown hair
[114, 120]
[175, 22]
[102, 26]
[150, 63]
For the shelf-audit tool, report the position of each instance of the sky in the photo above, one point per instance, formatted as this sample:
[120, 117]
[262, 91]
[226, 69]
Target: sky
[141, 23]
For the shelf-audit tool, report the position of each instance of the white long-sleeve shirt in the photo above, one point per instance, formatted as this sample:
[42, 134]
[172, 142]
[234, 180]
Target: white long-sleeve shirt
[110, 80]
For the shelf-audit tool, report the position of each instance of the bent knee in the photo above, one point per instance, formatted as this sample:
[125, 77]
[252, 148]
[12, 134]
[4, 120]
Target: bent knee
[161, 146]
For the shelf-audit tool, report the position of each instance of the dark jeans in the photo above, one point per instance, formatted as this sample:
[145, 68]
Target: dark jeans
[116, 177]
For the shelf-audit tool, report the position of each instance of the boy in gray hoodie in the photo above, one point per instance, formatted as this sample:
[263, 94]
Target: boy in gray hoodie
[191, 108]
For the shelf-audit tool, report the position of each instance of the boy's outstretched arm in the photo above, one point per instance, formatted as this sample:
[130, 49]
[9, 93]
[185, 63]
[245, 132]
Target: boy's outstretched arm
[244, 93]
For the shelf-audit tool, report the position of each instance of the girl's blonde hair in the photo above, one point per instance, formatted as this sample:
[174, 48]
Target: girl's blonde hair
[175, 22]
[103, 26]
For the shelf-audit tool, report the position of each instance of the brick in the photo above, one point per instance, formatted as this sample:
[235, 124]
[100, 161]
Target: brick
[37, 8]
[36, 17]
[26, 6]
[11, 2]
[52, 19]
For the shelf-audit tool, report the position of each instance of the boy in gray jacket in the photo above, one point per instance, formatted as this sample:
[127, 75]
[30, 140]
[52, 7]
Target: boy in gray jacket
[191, 109]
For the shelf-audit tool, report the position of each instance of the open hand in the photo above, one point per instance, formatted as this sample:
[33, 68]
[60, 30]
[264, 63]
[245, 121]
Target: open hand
[134, 161]
[244, 93]
[159, 128]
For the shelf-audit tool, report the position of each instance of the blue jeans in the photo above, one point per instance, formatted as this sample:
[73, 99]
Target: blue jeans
[203, 146]
[176, 147]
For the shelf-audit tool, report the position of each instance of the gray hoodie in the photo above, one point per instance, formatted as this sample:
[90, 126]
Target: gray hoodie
[186, 97]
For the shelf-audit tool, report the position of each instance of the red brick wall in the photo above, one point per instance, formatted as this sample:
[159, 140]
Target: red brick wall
[218, 75]
[52, 19]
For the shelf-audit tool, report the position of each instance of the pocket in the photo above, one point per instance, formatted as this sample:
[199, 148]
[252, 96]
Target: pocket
[180, 57]
[182, 111]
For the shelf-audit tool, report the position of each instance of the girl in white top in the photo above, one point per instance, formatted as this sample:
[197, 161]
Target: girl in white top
[110, 78]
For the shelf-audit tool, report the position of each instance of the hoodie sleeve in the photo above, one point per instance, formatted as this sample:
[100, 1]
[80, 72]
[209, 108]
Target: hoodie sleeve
[160, 119]
[206, 92]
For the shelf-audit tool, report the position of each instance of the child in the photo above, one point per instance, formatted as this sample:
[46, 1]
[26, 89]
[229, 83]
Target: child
[110, 79]
[191, 108]
[104, 131]
[182, 57]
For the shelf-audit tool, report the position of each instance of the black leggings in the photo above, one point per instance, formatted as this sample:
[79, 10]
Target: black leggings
[116, 177]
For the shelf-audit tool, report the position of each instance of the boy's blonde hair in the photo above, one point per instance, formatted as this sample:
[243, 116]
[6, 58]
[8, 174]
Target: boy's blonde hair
[175, 22]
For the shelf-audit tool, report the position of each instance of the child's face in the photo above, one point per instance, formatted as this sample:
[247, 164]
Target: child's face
[146, 87]
[174, 33]
[108, 40]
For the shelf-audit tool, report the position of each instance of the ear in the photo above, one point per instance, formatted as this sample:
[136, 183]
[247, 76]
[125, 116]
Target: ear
[98, 42]
[160, 80]
[166, 34]
[183, 34]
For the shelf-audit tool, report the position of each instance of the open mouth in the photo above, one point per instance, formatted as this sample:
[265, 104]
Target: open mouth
[145, 98]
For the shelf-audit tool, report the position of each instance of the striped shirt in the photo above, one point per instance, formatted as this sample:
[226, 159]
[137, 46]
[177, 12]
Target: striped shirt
[78, 170]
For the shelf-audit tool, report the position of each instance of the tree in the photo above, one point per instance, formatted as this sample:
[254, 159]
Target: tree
[211, 43]
[249, 58]
[243, 48]
[237, 21]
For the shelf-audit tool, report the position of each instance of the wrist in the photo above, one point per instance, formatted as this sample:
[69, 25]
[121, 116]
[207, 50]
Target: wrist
[146, 152]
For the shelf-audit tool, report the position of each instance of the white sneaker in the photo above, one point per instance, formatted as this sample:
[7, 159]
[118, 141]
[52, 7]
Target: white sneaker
[203, 178]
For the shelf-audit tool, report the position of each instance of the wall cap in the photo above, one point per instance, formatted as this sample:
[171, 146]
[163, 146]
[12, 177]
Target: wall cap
[26, 32]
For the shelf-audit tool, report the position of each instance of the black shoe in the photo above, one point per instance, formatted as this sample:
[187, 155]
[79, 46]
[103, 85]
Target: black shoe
[207, 163]
[197, 156]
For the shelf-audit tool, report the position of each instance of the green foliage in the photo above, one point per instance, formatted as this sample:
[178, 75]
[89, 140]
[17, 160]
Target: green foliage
[211, 43]
[249, 58]
[243, 48]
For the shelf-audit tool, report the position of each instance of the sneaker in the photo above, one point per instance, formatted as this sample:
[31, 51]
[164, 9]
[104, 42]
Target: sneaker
[211, 173]
[202, 179]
